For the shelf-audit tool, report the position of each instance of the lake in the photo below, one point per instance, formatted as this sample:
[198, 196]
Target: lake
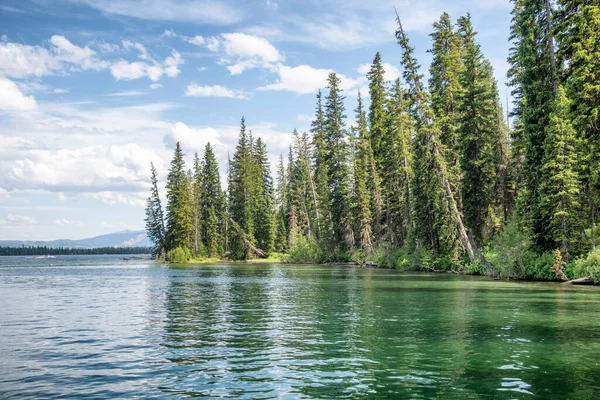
[102, 327]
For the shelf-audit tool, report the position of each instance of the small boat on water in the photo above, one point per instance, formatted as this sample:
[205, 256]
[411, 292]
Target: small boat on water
[46, 256]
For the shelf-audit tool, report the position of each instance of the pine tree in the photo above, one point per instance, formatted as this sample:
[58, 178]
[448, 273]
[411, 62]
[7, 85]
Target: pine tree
[325, 233]
[398, 166]
[477, 133]
[198, 195]
[361, 174]
[240, 196]
[211, 204]
[336, 159]
[377, 114]
[445, 87]
[155, 225]
[560, 188]
[178, 232]
[578, 49]
[428, 148]
[281, 236]
[533, 76]
[265, 222]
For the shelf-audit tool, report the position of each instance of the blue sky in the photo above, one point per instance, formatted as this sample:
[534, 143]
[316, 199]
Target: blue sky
[91, 91]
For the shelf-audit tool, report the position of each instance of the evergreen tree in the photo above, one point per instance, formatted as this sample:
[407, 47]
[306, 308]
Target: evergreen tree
[533, 77]
[240, 196]
[336, 159]
[445, 87]
[325, 233]
[155, 225]
[578, 49]
[281, 236]
[211, 204]
[179, 205]
[377, 114]
[477, 133]
[198, 195]
[397, 167]
[361, 174]
[427, 155]
[560, 187]
[264, 231]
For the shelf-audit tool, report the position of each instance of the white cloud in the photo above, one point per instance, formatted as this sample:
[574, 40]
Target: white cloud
[69, 222]
[4, 194]
[114, 198]
[195, 11]
[155, 86]
[124, 168]
[391, 71]
[83, 57]
[140, 69]
[20, 61]
[11, 98]
[240, 51]
[305, 79]
[168, 33]
[304, 118]
[61, 90]
[16, 219]
[197, 40]
[196, 90]
[191, 139]
[127, 93]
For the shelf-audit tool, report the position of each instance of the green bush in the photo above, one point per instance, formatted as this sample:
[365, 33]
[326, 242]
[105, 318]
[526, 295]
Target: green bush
[306, 251]
[179, 255]
[588, 266]
[539, 265]
[508, 252]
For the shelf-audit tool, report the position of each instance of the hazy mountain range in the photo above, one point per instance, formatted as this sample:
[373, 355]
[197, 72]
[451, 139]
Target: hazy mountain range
[118, 239]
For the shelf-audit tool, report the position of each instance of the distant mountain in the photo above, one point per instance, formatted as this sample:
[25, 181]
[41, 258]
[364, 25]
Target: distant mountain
[117, 239]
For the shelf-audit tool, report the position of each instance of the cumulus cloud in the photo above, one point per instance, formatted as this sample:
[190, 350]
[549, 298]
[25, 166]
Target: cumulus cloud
[69, 222]
[155, 86]
[240, 51]
[193, 140]
[196, 90]
[21, 61]
[16, 220]
[124, 168]
[12, 99]
[391, 71]
[135, 199]
[153, 70]
[305, 79]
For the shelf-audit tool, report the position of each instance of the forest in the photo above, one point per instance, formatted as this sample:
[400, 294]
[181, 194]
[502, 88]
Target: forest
[65, 251]
[431, 176]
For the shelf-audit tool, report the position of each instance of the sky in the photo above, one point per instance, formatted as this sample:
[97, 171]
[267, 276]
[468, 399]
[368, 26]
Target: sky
[92, 91]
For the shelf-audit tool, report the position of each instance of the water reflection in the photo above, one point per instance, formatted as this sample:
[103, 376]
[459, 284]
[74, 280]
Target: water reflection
[268, 331]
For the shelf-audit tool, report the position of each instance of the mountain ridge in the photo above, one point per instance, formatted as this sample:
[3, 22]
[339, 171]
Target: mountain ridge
[124, 238]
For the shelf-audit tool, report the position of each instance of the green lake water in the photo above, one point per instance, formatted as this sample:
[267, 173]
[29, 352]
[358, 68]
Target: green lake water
[103, 327]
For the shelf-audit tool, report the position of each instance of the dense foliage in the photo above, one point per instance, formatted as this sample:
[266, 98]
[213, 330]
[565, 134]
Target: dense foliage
[426, 177]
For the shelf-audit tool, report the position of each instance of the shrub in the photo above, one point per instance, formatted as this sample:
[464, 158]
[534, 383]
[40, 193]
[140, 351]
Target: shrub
[508, 251]
[539, 265]
[306, 251]
[179, 255]
[588, 266]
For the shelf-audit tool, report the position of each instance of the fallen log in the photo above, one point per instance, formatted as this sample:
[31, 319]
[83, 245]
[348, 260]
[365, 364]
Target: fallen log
[580, 281]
